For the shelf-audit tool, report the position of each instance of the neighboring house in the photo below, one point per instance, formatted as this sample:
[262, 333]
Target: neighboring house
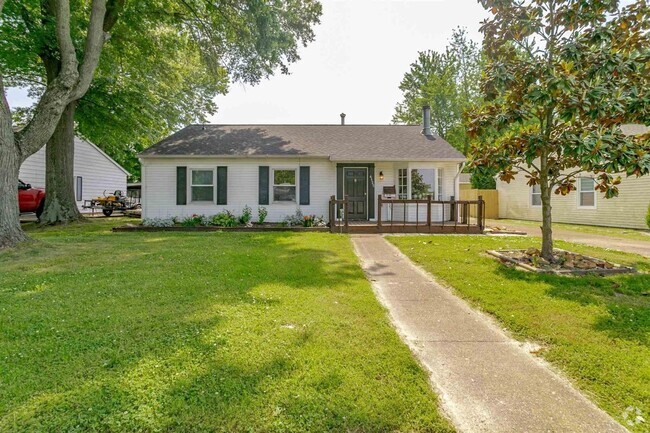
[94, 172]
[205, 169]
[586, 205]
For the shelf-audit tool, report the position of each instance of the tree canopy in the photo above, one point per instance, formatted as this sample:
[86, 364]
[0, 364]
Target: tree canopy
[562, 76]
[448, 83]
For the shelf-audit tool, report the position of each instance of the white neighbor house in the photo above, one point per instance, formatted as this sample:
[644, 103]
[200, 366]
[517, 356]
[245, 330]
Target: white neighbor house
[94, 172]
[205, 169]
[517, 200]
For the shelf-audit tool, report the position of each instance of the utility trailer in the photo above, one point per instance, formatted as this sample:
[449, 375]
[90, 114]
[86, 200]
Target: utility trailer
[112, 202]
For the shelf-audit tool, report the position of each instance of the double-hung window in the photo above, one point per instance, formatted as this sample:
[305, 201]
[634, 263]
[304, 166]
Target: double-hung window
[202, 185]
[284, 185]
[535, 195]
[439, 186]
[586, 192]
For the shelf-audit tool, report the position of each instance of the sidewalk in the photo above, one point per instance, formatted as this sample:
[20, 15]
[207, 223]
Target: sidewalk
[642, 246]
[487, 381]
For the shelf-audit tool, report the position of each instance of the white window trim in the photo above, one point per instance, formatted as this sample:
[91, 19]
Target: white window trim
[435, 180]
[440, 184]
[273, 185]
[532, 193]
[214, 186]
[579, 189]
[406, 178]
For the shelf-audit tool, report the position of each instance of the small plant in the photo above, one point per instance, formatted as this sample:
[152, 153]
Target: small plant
[262, 213]
[647, 217]
[297, 219]
[158, 222]
[193, 221]
[224, 219]
[246, 216]
[308, 221]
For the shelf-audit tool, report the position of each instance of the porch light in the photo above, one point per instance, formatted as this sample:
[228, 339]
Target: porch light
[381, 175]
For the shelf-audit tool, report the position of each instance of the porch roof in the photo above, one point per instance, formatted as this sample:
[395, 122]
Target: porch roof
[336, 142]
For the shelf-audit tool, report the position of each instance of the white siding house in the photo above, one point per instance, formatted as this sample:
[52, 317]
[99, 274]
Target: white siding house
[517, 200]
[94, 171]
[206, 169]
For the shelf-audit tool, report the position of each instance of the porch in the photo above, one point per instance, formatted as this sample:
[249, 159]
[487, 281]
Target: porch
[411, 216]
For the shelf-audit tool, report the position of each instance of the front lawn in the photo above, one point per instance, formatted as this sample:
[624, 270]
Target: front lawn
[613, 232]
[597, 330]
[197, 332]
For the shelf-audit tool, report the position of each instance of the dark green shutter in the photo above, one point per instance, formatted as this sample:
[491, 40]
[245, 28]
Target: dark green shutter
[181, 185]
[304, 185]
[264, 185]
[222, 185]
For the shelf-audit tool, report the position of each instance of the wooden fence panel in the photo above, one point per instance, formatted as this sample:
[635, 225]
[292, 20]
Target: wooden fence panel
[490, 196]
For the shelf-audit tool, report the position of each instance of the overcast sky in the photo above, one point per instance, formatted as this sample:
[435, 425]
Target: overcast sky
[362, 50]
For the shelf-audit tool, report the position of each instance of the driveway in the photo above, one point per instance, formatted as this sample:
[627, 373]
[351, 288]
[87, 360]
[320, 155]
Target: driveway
[641, 246]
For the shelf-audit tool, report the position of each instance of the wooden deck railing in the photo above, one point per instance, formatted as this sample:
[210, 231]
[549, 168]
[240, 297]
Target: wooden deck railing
[412, 215]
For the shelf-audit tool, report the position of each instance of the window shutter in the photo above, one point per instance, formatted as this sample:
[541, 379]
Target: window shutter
[222, 185]
[264, 185]
[304, 185]
[181, 185]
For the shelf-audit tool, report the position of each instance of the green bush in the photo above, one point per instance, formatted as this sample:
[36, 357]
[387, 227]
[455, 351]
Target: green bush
[224, 219]
[647, 217]
[246, 216]
[193, 221]
[483, 181]
[262, 213]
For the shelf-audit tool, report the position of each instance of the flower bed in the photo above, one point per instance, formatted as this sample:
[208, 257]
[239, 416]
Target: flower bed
[563, 263]
[249, 228]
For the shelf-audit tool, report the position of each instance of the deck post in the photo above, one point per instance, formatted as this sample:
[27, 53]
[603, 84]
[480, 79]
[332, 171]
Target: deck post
[429, 212]
[480, 213]
[332, 210]
[345, 213]
[452, 209]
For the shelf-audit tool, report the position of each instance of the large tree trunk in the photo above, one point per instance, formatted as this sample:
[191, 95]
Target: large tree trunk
[547, 231]
[60, 203]
[10, 231]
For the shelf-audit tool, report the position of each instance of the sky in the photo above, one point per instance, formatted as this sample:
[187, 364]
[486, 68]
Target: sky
[361, 52]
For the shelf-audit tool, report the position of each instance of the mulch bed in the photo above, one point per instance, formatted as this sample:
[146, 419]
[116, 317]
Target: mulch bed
[563, 263]
[253, 228]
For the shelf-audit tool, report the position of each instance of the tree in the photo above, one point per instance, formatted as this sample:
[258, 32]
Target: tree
[448, 83]
[68, 83]
[154, 78]
[562, 76]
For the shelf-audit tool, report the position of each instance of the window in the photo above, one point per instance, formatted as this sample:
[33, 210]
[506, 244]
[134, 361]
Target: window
[78, 188]
[284, 185]
[422, 181]
[202, 185]
[536, 195]
[402, 184]
[439, 180]
[586, 192]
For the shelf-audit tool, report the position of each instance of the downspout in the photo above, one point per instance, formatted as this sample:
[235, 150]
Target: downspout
[461, 166]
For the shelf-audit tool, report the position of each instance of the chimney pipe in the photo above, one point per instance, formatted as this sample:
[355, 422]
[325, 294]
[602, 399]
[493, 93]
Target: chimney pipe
[342, 119]
[426, 120]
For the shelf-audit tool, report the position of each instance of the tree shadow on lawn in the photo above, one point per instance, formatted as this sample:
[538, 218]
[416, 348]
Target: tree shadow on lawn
[126, 336]
[626, 298]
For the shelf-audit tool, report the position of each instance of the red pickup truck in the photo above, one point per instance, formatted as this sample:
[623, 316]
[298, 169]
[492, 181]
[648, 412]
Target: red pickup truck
[30, 199]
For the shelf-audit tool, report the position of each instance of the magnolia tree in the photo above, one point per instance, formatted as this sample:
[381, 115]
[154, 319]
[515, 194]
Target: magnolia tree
[562, 77]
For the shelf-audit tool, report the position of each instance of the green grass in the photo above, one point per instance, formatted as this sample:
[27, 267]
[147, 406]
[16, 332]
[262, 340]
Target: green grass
[597, 330]
[633, 234]
[245, 332]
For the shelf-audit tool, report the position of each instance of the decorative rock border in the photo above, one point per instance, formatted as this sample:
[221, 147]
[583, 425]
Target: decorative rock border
[615, 269]
[136, 228]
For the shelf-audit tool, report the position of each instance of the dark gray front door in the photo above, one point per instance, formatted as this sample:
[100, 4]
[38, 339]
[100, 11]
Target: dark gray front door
[356, 188]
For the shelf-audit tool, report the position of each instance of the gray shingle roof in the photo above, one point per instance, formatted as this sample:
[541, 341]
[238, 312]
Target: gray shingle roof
[339, 143]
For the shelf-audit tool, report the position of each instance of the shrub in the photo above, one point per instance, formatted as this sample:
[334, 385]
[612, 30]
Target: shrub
[262, 213]
[224, 219]
[297, 219]
[313, 221]
[193, 221]
[246, 216]
[647, 217]
[483, 180]
[158, 222]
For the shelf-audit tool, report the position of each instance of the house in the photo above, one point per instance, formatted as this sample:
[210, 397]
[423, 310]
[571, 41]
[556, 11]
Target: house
[94, 172]
[517, 200]
[205, 169]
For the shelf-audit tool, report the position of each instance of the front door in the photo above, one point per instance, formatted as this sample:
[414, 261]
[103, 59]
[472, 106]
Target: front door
[356, 188]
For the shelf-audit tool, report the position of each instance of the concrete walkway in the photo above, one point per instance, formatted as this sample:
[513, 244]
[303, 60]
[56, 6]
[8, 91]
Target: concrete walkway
[641, 246]
[487, 381]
